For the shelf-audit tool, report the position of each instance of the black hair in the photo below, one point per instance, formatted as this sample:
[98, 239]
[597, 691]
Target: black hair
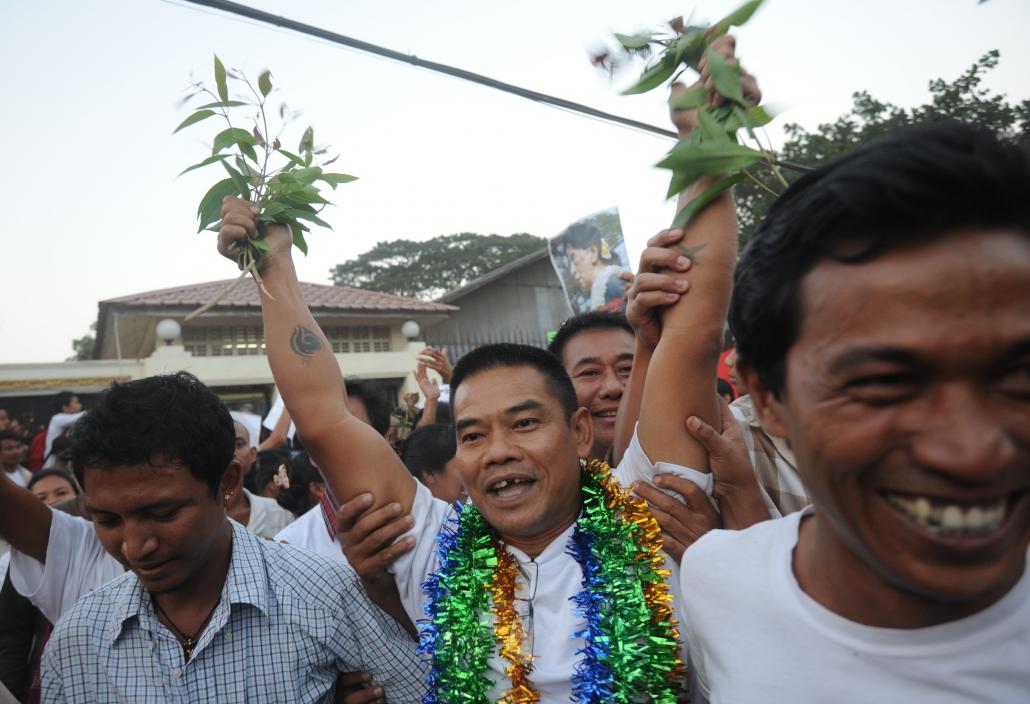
[725, 388]
[506, 354]
[428, 449]
[55, 472]
[62, 399]
[582, 235]
[297, 498]
[11, 435]
[264, 469]
[591, 320]
[376, 401]
[171, 418]
[907, 188]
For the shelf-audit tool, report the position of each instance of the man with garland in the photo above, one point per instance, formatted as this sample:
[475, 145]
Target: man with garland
[549, 586]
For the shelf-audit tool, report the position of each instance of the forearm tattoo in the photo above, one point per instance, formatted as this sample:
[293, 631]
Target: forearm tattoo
[305, 343]
[690, 251]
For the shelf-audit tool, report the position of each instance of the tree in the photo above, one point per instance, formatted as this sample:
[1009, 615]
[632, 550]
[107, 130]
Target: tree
[964, 100]
[83, 346]
[430, 268]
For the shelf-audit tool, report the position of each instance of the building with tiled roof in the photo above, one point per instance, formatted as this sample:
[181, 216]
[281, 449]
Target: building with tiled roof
[225, 346]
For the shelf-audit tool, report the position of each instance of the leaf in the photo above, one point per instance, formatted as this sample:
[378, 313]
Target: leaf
[223, 90]
[194, 119]
[206, 162]
[298, 237]
[654, 76]
[292, 157]
[307, 141]
[259, 244]
[704, 198]
[248, 151]
[753, 118]
[225, 104]
[634, 41]
[307, 215]
[307, 175]
[726, 77]
[742, 14]
[228, 137]
[735, 19]
[239, 181]
[711, 129]
[336, 179]
[693, 97]
[697, 160]
[265, 82]
[210, 209]
[690, 46]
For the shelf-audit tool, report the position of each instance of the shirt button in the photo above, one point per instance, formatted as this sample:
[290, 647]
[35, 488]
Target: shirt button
[176, 673]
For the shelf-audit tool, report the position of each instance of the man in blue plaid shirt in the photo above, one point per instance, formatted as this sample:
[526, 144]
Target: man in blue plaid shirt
[206, 611]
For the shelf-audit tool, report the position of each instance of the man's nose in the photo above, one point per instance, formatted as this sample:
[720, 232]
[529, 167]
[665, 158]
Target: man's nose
[137, 544]
[964, 436]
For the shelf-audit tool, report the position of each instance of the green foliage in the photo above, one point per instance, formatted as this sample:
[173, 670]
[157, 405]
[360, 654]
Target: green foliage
[430, 268]
[283, 184]
[84, 345]
[964, 99]
[712, 148]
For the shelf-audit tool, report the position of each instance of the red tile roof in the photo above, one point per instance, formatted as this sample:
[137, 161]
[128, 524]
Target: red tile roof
[318, 296]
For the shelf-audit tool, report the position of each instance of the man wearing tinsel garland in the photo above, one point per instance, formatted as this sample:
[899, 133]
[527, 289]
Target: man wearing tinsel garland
[549, 584]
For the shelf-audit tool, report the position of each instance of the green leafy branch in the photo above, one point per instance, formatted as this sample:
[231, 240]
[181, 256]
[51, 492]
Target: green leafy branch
[283, 184]
[713, 147]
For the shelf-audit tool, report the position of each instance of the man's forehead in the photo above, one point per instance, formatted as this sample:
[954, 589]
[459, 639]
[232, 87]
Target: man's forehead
[241, 430]
[605, 344]
[496, 389]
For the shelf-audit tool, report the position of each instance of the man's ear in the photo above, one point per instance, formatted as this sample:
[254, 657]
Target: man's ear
[768, 408]
[583, 432]
[317, 490]
[232, 480]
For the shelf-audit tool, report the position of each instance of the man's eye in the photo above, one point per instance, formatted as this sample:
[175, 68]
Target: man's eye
[526, 422]
[107, 522]
[470, 437]
[165, 515]
[589, 372]
[1017, 381]
[884, 388]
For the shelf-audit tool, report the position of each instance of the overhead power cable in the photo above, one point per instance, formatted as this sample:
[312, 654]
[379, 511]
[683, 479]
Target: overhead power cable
[280, 21]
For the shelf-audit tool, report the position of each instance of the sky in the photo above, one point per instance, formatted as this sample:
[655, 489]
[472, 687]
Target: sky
[91, 91]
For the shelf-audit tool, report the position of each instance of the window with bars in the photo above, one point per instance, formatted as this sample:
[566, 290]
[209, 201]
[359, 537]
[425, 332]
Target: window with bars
[247, 340]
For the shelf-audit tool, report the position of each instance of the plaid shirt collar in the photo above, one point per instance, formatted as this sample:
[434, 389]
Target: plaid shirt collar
[241, 587]
[329, 509]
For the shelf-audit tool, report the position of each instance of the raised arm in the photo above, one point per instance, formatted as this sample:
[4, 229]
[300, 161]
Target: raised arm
[351, 454]
[681, 379]
[24, 520]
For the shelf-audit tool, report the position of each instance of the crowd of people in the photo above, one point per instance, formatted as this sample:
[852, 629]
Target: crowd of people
[847, 521]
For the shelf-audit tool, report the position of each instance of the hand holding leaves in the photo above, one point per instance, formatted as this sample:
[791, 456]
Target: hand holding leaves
[723, 102]
[282, 184]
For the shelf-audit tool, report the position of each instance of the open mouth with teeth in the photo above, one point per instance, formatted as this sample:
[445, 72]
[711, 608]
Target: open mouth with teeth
[950, 520]
[606, 415]
[510, 488]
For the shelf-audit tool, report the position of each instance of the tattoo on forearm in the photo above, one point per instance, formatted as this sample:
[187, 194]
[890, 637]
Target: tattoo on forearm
[690, 252]
[305, 343]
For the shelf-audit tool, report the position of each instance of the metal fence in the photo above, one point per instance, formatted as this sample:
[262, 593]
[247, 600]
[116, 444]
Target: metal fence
[457, 345]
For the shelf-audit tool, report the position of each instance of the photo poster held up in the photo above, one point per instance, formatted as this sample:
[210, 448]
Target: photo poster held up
[589, 257]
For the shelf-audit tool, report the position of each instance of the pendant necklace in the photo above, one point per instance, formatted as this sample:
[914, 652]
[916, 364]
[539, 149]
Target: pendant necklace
[189, 643]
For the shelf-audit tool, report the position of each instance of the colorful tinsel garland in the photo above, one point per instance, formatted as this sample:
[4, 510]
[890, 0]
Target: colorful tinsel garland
[631, 638]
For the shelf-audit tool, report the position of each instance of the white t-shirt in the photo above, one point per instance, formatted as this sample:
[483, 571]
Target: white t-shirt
[267, 517]
[59, 422]
[19, 476]
[549, 582]
[76, 564]
[755, 636]
[309, 532]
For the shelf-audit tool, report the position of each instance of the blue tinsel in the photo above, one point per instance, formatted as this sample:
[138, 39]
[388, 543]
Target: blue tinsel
[429, 632]
[592, 678]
